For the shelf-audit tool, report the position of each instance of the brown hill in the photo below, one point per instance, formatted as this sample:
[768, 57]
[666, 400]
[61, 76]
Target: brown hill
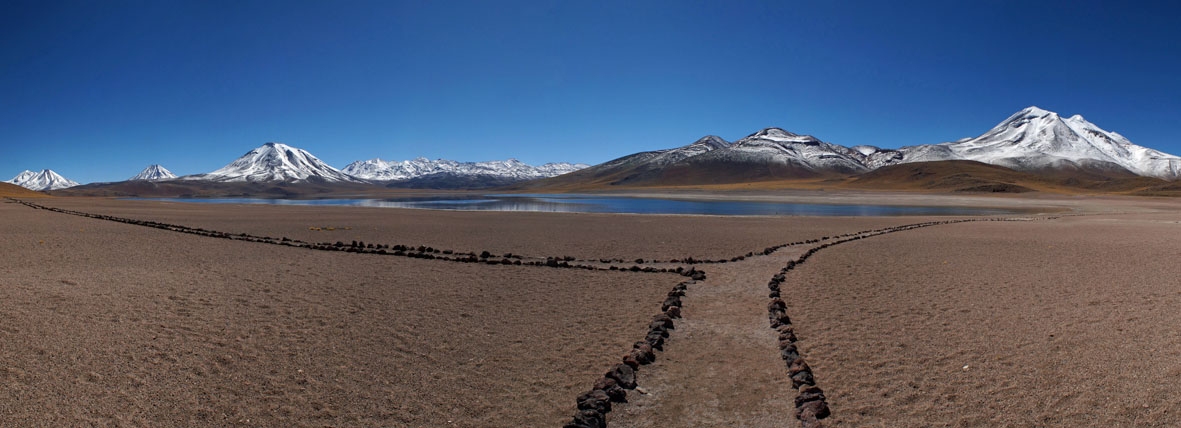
[14, 191]
[627, 173]
[940, 176]
[956, 176]
[972, 176]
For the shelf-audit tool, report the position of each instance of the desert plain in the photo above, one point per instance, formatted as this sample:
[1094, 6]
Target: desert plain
[1065, 315]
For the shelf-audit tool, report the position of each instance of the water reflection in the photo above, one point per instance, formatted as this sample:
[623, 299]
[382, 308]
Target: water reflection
[595, 204]
[499, 204]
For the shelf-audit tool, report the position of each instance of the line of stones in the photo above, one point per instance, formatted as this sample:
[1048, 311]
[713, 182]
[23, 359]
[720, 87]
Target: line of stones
[811, 403]
[612, 387]
[692, 261]
[420, 252]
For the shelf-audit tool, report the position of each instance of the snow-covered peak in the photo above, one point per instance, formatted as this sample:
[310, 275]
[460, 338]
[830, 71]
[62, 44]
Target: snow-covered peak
[22, 177]
[380, 170]
[1034, 111]
[154, 172]
[711, 141]
[275, 162]
[44, 180]
[780, 135]
[1034, 138]
[866, 149]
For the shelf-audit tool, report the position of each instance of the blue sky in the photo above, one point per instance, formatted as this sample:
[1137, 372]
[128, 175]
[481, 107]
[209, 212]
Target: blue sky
[97, 90]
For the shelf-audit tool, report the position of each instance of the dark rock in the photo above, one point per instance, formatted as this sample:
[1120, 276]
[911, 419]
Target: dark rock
[809, 393]
[777, 304]
[801, 374]
[673, 311]
[817, 409]
[658, 327]
[610, 387]
[590, 418]
[666, 319]
[624, 375]
[789, 354]
[632, 360]
[670, 302]
[787, 336]
[642, 357]
[656, 341]
[596, 400]
[644, 353]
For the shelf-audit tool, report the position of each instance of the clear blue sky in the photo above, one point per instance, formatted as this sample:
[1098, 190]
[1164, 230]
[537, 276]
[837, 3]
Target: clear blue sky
[97, 90]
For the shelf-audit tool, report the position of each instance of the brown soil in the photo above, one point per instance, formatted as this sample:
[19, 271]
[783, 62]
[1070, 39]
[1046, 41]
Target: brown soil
[108, 324]
[1062, 323]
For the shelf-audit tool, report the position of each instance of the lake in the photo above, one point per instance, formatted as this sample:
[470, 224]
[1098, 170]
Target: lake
[609, 204]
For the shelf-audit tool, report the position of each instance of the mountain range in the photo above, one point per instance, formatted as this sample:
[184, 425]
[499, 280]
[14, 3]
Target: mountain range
[1030, 140]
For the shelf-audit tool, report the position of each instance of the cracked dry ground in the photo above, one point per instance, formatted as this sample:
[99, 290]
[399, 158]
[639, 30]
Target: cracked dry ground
[883, 321]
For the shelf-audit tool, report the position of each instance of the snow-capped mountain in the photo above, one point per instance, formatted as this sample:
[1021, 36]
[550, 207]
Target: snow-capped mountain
[153, 173]
[777, 147]
[1030, 140]
[639, 166]
[380, 170]
[704, 144]
[1034, 138]
[275, 162]
[44, 180]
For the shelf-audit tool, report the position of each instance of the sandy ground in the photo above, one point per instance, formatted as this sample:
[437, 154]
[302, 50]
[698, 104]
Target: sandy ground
[107, 324]
[1070, 322]
[1066, 322]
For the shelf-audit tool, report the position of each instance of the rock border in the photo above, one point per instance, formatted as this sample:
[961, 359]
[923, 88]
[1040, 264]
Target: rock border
[361, 247]
[811, 403]
[593, 406]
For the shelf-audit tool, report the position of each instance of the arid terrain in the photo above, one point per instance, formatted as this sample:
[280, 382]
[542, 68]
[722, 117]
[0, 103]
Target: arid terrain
[1063, 316]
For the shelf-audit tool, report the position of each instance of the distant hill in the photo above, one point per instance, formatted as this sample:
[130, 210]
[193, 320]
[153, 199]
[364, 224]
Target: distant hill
[14, 191]
[972, 176]
[956, 176]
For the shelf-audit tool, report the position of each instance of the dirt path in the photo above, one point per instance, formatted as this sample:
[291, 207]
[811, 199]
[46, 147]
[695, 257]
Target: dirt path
[721, 366]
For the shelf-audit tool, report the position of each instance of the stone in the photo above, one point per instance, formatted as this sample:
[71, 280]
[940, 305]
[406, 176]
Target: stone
[809, 393]
[802, 378]
[658, 329]
[666, 319]
[673, 311]
[590, 418]
[670, 302]
[596, 400]
[631, 360]
[777, 305]
[817, 409]
[625, 376]
[610, 387]
[656, 341]
[790, 355]
[787, 336]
